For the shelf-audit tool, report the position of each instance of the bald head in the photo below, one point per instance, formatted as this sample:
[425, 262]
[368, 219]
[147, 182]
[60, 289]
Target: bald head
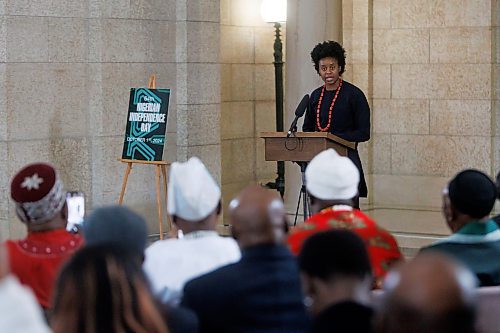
[431, 293]
[258, 217]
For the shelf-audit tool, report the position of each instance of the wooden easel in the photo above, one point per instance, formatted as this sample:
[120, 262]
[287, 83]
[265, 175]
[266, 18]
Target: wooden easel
[161, 170]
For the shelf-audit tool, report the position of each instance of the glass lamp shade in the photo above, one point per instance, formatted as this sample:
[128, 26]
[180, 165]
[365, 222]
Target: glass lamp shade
[273, 10]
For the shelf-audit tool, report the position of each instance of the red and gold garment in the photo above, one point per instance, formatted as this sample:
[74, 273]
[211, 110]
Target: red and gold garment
[36, 259]
[381, 245]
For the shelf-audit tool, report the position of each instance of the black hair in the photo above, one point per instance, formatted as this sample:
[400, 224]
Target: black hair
[334, 253]
[328, 49]
[473, 193]
[116, 225]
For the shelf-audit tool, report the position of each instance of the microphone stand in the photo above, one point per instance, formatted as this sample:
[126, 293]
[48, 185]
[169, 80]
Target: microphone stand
[291, 131]
[306, 208]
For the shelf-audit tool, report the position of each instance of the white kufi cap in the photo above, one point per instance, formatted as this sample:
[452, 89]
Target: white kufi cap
[330, 176]
[192, 192]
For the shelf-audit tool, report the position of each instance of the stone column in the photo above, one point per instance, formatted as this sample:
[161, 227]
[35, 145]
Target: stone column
[198, 82]
[496, 86]
[357, 29]
[120, 44]
[309, 22]
[495, 56]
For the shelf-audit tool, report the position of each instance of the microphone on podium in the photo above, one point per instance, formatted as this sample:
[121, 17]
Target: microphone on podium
[299, 112]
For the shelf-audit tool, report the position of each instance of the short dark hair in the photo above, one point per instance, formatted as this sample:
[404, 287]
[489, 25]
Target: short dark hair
[472, 193]
[334, 253]
[116, 225]
[328, 49]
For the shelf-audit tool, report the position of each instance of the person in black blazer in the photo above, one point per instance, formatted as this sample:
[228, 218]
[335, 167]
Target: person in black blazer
[261, 293]
[338, 107]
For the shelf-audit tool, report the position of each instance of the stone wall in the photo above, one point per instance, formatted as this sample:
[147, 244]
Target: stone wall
[247, 95]
[302, 78]
[429, 70]
[66, 69]
[427, 66]
[495, 59]
[198, 82]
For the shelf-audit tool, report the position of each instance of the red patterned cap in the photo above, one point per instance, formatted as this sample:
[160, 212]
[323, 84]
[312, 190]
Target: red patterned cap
[38, 193]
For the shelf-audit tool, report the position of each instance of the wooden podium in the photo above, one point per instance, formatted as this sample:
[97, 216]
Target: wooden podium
[302, 146]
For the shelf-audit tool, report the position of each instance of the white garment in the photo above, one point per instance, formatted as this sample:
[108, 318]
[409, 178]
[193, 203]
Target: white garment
[19, 310]
[170, 263]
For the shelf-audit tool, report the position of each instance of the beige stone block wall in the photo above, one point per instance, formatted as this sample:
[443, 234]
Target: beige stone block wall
[209, 154]
[237, 116]
[450, 117]
[382, 81]
[432, 87]
[247, 95]
[357, 40]
[468, 44]
[407, 191]
[198, 82]
[45, 115]
[393, 46]
[198, 124]
[243, 82]
[408, 116]
[66, 69]
[496, 92]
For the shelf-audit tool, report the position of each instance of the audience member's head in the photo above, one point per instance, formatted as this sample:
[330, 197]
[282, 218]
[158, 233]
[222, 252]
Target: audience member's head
[335, 267]
[40, 199]
[431, 294]
[193, 196]
[101, 290]
[470, 195]
[331, 179]
[119, 226]
[258, 217]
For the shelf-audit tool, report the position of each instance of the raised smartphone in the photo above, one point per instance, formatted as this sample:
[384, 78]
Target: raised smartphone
[75, 201]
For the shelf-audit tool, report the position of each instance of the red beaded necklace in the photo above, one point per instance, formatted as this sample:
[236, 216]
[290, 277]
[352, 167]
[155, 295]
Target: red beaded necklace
[330, 111]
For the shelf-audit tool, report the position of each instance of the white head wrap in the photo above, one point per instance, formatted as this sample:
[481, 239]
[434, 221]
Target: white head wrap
[330, 176]
[192, 192]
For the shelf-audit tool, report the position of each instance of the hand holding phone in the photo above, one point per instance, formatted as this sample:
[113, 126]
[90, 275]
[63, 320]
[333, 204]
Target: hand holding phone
[76, 209]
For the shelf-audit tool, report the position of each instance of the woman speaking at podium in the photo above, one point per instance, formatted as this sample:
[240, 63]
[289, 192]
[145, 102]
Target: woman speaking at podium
[338, 107]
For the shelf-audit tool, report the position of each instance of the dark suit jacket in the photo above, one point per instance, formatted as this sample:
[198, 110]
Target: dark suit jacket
[260, 293]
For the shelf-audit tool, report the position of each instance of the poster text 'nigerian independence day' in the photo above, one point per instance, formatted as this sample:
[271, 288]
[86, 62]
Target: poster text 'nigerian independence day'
[146, 124]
